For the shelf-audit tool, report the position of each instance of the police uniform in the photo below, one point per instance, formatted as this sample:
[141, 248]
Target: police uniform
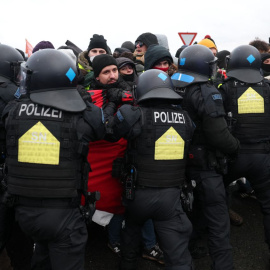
[47, 144]
[246, 99]
[158, 137]
[19, 247]
[211, 142]
[207, 164]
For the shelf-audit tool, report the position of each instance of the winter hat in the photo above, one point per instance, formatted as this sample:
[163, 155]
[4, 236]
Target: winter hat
[69, 53]
[118, 51]
[148, 39]
[154, 54]
[43, 45]
[221, 56]
[122, 61]
[128, 45]
[97, 41]
[101, 61]
[162, 40]
[208, 43]
[180, 50]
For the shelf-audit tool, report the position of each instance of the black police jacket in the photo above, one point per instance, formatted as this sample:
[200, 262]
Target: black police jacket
[46, 148]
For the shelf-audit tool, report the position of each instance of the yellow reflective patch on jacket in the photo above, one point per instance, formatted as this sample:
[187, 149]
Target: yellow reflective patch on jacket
[38, 145]
[169, 146]
[250, 102]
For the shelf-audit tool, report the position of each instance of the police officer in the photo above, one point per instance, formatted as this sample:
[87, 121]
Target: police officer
[211, 141]
[246, 96]
[48, 132]
[158, 136]
[18, 246]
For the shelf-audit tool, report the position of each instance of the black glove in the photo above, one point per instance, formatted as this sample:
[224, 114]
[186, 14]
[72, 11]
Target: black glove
[86, 96]
[114, 95]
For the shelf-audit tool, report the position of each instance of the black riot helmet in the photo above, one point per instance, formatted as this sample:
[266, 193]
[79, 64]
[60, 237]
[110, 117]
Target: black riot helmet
[49, 77]
[155, 84]
[196, 64]
[10, 60]
[244, 64]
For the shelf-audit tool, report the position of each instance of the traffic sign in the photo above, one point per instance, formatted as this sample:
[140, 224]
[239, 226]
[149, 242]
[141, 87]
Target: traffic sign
[187, 37]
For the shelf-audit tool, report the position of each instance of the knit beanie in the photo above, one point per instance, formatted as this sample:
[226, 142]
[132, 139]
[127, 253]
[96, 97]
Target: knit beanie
[208, 43]
[101, 61]
[128, 45]
[43, 45]
[97, 41]
[148, 39]
[221, 56]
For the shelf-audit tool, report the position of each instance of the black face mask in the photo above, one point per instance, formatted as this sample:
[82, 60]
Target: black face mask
[266, 67]
[129, 77]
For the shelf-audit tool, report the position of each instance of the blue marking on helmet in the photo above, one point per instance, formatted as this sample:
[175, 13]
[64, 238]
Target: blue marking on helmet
[251, 58]
[182, 77]
[182, 61]
[71, 74]
[162, 76]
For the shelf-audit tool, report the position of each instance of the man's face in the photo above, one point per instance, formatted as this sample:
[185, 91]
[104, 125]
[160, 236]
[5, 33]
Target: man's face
[96, 51]
[140, 47]
[108, 75]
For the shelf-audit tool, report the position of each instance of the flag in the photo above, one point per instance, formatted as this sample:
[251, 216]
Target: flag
[28, 48]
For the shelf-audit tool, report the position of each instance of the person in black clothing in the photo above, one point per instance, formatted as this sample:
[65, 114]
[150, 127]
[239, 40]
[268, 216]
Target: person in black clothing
[246, 100]
[211, 143]
[48, 130]
[158, 135]
[19, 247]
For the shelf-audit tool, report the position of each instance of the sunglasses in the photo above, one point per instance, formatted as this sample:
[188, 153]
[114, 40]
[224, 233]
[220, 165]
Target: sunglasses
[139, 43]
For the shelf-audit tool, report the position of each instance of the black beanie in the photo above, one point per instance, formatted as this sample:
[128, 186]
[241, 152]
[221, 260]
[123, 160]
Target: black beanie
[101, 61]
[97, 41]
[148, 39]
[129, 45]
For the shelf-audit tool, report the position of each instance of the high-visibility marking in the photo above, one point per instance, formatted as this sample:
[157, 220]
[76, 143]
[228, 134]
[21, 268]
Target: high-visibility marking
[169, 146]
[250, 102]
[38, 145]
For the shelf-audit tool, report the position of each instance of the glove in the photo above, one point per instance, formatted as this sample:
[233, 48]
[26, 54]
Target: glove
[86, 96]
[127, 97]
[114, 95]
[119, 96]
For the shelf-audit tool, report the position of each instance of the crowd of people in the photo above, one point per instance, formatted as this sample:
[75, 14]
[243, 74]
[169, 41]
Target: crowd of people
[139, 140]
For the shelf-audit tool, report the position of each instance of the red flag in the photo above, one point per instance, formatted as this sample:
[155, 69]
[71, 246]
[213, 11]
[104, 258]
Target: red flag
[28, 48]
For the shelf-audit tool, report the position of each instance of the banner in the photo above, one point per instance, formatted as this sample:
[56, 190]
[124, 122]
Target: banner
[28, 48]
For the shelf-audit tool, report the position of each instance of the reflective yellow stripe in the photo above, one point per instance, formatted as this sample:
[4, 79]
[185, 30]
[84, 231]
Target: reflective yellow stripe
[81, 67]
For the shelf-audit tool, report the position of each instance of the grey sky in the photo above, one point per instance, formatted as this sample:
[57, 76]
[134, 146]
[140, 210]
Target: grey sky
[230, 23]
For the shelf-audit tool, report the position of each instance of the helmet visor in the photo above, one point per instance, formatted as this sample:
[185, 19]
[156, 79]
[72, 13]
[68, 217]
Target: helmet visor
[15, 70]
[23, 78]
[213, 68]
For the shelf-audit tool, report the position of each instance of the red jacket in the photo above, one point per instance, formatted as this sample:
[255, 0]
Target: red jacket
[101, 156]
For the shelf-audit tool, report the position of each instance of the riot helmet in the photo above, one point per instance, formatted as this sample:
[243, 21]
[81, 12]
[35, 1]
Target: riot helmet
[244, 64]
[49, 77]
[196, 64]
[155, 84]
[10, 61]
